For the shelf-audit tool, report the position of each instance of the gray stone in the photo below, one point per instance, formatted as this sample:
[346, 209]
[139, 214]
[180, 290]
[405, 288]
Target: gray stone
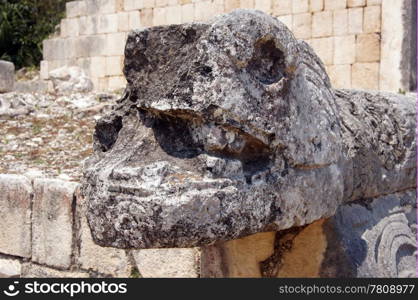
[52, 235]
[30, 270]
[15, 215]
[70, 79]
[7, 76]
[237, 131]
[35, 86]
[167, 263]
[15, 104]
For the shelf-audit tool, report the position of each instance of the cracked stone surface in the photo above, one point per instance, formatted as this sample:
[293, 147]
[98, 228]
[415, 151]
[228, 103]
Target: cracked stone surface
[236, 131]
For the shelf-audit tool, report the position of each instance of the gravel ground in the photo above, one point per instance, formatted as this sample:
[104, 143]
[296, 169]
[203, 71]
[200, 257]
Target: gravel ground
[47, 134]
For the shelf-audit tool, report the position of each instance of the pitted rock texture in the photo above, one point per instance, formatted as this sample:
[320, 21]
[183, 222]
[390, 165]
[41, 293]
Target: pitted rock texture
[230, 128]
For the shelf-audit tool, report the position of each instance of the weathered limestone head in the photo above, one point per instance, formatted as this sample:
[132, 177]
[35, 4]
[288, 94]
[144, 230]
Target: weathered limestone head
[227, 128]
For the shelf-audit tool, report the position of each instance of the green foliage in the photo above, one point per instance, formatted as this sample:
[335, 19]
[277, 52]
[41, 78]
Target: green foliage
[24, 24]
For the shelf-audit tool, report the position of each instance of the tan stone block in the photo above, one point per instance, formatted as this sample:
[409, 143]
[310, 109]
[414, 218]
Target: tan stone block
[316, 5]
[123, 21]
[134, 20]
[182, 2]
[247, 4]
[230, 5]
[115, 43]
[287, 20]
[147, 16]
[70, 48]
[159, 16]
[72, 27]
[107, 23]
[356, 3]
[133, 4]
[372, 19]
[355, 20]
[52, 222]
[174, 14]
[374, 2]
[368, 47]
[335, 4]
[82, 25]
[109, 6]
[98, 66]
[302, 26]
[218, 6]
[263, 5]
[72, 9]
[114, 65]
[365, 76]
[300, 6]
[340, 76]
[15, 215]
[149, 3]
[93, 257]
[96, 45]
[116, 83]
[203, 11]
[91, 25]
[324, 48]
[30, 270]
[187, 13]
[103, 84]
[82, 7]
[168, 263]
[161, 3]
[344, 49]
[281, 8]
[173, 2]
[63, 28]
[340, 22]
[322, 24]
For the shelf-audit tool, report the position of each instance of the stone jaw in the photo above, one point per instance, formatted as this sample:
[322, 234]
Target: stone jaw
[227, 128]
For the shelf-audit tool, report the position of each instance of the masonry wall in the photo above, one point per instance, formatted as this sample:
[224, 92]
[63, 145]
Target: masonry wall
[346, 34]
[44, 233]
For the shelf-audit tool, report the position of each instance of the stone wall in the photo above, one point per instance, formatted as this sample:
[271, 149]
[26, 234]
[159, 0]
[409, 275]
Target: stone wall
[44, 234]
[359, 41]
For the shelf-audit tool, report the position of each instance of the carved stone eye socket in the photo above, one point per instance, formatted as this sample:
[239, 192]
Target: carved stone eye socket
[267, 64]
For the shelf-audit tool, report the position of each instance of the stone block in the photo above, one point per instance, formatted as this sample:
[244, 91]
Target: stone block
[133, 4]
[160, 17]
[356, 3]
[98, 66]
[72, 9]
[168, 263]
[123, 21]
[335, 4]
[322, 24]
[147, 16]
[263, 5]
[355, 20]
[247, 4]
[10, 268]
[102, 84]
[149, 3]
[114, 65]
[218, 6]
[185, 1]
[52, 222]
[203, 11]
[287, 20]
[161, 3]
[230, 5]
[324, 48]
[15, 215]
[187, 13]
[340, 76]
[107, 23]
[107, 261]
[63, 28]
[97, 45]
[115, 43]
[340, 22]
[283, 7]
[102, 7]
[72, 28]
[302, 26]
[44, 70]
[174, 14]
[316, 5]
[91, 27]
[365, 76]
[30, 270]
[372, 19]
[7, 76]
[300, 6]
[134, 20]
[116, 83]
[345, 49]
[374, 2]
[368, 47]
